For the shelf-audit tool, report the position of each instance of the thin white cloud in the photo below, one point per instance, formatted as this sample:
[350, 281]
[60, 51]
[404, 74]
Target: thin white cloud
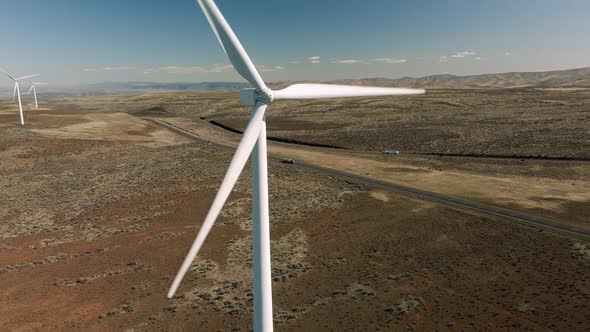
[107, 69]
[264, 68]
[464, 54]
[349, 62]
[507, 54]
[443, 58]
[391, 60]
[187, 70]
[315, 59]
[179, 70]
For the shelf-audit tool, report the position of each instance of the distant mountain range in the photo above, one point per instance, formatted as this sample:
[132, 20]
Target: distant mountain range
[547, 79]
[579, 78]
[202, 86]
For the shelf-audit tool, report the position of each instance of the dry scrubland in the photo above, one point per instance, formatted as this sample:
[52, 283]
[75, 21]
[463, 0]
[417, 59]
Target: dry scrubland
[98, 209]
[521, 122]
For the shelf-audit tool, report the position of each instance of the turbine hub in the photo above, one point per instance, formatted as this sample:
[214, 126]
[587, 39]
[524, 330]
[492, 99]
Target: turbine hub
[252, 96]
[265, 96]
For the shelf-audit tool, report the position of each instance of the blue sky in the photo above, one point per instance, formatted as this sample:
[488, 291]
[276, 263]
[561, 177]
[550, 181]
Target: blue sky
[84, 41]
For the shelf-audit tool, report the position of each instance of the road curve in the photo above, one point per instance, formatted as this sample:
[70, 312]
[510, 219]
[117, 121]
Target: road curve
[462, 204]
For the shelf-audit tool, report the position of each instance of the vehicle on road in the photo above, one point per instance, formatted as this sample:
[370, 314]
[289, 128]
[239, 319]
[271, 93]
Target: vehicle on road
[391, 151]
[287, 161]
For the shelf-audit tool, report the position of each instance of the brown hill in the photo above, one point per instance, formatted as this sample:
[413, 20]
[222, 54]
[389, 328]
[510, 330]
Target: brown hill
[579, 78]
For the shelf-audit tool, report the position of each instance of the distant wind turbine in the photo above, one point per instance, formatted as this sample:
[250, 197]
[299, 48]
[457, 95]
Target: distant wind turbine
[17, 93]
[34, 90]
[254, 141]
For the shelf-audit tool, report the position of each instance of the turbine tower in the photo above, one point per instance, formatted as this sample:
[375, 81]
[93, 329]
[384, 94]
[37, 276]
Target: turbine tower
[254, 142]
[33, 88]
[16, 93]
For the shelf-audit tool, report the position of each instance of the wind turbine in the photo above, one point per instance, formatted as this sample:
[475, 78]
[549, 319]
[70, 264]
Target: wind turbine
[254, 142]
[34, 89]
[16, 92]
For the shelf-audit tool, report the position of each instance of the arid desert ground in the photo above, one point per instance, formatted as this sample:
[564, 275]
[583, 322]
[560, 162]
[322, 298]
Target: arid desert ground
[99, 203]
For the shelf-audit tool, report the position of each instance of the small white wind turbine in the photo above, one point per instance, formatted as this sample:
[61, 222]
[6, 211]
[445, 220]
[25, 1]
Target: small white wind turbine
[33, 88]
[16, 93]
[254, 141]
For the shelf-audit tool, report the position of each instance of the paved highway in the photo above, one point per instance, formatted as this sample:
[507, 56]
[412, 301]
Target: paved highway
[462, 204]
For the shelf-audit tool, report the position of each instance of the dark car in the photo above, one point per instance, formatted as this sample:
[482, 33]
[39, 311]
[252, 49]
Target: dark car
[287, 161]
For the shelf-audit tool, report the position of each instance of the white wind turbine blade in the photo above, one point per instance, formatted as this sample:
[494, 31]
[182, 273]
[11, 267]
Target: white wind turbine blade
[14, 91]
[31, 89]
[232, 46]
[319, 91]
[236, 166]
[5, 72]
[28, 76]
